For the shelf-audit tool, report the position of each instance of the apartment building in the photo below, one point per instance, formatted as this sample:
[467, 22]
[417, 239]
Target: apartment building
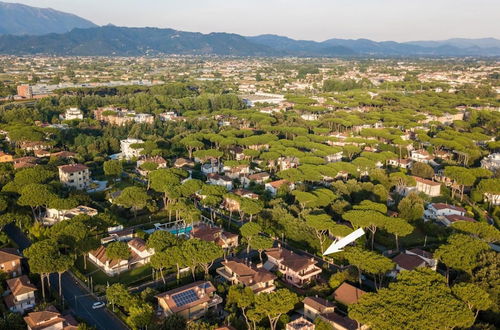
[128, 150]
[75, 176]
[72, 114]
[428, 187]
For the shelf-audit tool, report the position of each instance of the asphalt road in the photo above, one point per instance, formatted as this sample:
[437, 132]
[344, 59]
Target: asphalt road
[77, 298]
[80, 302]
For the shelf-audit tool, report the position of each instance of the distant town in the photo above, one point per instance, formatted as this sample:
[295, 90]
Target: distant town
[201, 192]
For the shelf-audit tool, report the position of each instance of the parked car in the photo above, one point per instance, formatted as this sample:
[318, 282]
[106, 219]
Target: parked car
[98, 304]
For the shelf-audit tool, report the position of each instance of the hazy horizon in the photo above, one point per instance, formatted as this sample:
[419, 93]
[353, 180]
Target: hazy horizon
[380, 20]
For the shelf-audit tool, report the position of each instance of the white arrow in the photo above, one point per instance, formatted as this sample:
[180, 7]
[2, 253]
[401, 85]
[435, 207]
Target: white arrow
[338, 245]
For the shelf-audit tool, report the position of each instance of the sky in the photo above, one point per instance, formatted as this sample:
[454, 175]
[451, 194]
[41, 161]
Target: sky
[397, 20]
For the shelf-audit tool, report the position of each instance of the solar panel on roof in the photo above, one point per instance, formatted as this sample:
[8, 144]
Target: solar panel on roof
[205, 285]
[184, 298]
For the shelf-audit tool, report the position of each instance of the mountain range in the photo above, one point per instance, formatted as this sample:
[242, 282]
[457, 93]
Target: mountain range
[26, 30]
[18, 19]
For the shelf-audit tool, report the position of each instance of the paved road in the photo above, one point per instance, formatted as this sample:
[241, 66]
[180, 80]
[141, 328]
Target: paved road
[80, 302]
[76, 297]
[17, 236]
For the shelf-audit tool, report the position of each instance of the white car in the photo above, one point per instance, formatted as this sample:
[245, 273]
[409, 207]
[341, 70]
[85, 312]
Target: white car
[98, 304]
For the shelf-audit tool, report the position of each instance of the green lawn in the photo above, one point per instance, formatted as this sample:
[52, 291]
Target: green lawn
[131, 277]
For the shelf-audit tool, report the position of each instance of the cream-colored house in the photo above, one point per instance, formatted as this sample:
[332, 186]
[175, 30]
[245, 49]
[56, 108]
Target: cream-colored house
[139, 255]
[296, 269]
[75, 176]
[53, 216]
[22, 294]
[256, 278]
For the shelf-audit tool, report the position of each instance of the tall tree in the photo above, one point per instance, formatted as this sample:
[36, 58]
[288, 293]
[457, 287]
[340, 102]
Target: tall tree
[244, 298]
[167, 182]
[419, 299]
[399, 228]
[250, 230]
[261, 243]
[206, 253]
[113, 168]
[422, 170]
[118, 250]
[61, 264]
[148, 167]
[134, 197]
[369, 262]
[160, 261]
[160, 240]
[369, 219]
[475, 297]
[41, 256]
[36, 196]
[411, 207]
[275, 304]
[480, 230]
[320, 223]
[179, 258]
[251, 207]
[140, 315]
[461, 253]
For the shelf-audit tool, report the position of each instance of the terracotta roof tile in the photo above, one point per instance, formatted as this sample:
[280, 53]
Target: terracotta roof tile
[347, 294]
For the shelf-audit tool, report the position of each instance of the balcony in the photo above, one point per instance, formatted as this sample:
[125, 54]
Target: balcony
[216, 300]
[310, 273]
[266, 289]
[224, 273]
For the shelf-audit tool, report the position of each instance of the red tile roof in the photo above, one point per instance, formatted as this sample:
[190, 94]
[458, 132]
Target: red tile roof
[20, 285]
[408, 261]
[318, 304]
[444, 206]
[278, 183]
[72, 168]
[291, 260]
[427, 182]
[422, 253]
[248, 275]
[455, 217]
[347, 294]
[9, 254]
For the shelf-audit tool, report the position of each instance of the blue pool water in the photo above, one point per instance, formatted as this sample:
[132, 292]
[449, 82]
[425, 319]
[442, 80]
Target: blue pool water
[184, 231]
